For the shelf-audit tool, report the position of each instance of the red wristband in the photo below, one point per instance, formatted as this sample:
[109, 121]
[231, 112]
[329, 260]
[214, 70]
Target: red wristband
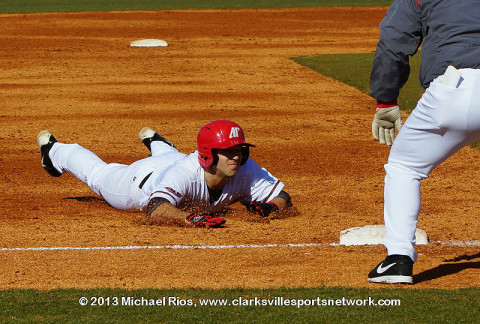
[385, 104]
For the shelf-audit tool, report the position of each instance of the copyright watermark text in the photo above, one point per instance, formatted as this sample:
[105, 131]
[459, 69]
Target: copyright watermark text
[129, 301]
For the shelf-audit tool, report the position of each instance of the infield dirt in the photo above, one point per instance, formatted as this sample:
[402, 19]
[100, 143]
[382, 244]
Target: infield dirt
[75, 74]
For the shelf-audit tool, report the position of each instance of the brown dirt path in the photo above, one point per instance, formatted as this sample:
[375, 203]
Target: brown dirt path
[75, 74]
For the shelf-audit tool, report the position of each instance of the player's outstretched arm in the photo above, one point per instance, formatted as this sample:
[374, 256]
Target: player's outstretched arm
[279, 207]
[285, 208]
[160, 212]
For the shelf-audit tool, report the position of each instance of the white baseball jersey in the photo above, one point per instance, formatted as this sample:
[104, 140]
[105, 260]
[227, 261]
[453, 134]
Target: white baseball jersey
[168, 174]
[183, 185]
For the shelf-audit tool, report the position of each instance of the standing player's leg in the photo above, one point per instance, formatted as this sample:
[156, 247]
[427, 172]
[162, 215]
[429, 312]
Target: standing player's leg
[417, 152]
[422, 144]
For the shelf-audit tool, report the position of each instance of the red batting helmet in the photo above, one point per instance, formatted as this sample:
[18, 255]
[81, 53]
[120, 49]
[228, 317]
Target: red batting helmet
[220, 134]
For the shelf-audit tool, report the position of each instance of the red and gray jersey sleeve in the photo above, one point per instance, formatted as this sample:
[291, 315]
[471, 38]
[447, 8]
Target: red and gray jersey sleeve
[400, 37]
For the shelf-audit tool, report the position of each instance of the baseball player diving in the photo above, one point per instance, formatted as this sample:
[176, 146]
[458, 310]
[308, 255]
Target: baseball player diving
[446, 118]
[175, 188]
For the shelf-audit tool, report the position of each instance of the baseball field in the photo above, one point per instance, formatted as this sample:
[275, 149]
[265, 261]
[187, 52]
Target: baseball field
[66, 256]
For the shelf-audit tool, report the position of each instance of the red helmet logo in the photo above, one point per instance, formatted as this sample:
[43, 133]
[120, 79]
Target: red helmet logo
[219, 134]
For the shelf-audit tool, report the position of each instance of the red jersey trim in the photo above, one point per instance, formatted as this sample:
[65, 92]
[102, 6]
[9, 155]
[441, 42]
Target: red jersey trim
[163, 192]
[271, 192]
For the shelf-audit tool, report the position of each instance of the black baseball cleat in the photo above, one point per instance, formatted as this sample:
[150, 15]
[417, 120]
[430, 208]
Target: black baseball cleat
[147, 135]
[394, 269]
[45, 141]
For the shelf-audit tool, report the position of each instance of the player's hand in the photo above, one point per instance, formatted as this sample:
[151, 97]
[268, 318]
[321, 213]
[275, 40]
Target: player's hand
[262, 209]
[204, 220]
[387, 119]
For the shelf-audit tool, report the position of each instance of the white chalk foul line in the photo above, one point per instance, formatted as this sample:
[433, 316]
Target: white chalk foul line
[459, 243]
[207, 247]
[167, 247]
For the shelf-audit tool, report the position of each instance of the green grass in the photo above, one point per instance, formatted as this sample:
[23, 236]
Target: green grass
[28, 6]
[354, 70]
[412, 306]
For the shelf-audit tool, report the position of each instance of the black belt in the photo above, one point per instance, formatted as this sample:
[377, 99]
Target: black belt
[144, 180]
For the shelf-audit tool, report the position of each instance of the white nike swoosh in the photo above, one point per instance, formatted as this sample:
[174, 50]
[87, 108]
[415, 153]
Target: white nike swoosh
[381, 269]
[43, 164]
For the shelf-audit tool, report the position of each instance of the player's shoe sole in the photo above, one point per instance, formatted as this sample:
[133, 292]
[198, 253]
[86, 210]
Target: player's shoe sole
[147, 135]
[45, 141]
[395, 269]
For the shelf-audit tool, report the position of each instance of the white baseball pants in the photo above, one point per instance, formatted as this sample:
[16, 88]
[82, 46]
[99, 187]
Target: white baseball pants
[446, 119]
[118, 184]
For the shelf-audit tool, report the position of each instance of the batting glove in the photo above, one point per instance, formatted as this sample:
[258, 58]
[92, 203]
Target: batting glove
[204, 220]
[262, 209]
[387, 119]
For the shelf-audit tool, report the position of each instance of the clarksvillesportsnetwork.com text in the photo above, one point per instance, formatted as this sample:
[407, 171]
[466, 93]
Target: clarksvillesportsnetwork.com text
[239, 301]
